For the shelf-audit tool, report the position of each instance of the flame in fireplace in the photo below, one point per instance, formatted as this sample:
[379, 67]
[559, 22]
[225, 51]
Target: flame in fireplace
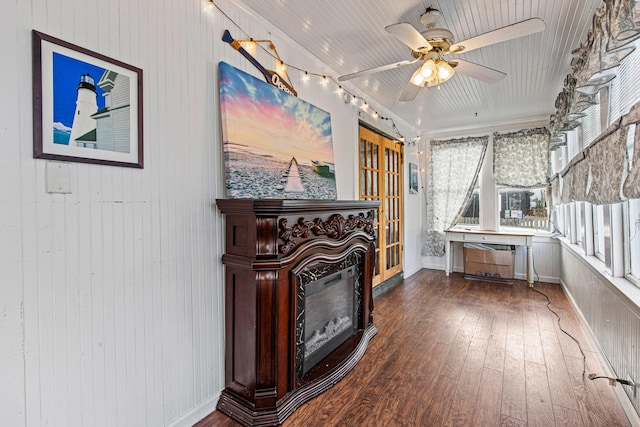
[332, 329]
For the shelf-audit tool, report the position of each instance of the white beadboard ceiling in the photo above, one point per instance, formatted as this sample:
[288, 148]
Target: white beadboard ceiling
[349, 35]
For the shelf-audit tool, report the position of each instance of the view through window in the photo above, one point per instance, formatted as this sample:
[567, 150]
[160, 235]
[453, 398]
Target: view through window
[471, 215]
[524, 208]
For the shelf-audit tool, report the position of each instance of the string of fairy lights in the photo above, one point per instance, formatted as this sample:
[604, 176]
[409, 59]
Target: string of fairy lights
[347, 96]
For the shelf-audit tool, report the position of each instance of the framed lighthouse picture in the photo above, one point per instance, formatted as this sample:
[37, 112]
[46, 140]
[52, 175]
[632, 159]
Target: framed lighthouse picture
[86, 107]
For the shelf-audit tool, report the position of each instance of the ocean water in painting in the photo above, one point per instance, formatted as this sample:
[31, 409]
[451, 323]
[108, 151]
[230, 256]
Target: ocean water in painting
[276, 146]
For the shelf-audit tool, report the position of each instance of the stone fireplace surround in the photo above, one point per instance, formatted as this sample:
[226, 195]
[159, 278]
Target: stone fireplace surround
[274, 249]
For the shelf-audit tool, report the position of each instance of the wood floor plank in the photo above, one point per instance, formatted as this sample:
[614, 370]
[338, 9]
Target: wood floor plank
[539, 409]
[567, 417]
[437, 407]
[452, 352]
[468, 384]
[454, 360]
[560, 387]
[497, 347]
[590, 405]
[511, 422]
[606, 392]
[514, 396]
[418, 379]
[532, 344]
[488, 404]
[515, 323]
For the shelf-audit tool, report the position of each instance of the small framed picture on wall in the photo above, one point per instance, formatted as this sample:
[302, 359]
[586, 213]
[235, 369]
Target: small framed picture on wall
[86, 107]
[413, 178]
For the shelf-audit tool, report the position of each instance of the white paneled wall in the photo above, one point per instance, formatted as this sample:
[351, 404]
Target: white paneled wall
[612, 318]
[111, 299]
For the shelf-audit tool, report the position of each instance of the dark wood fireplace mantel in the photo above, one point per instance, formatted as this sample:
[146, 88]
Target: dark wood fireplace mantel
[269, 245]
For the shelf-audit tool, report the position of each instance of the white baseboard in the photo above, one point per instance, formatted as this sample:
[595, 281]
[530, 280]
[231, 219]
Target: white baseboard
[410, 273]
[196, 414]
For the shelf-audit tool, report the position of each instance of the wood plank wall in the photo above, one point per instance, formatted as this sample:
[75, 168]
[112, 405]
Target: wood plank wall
[111, 305]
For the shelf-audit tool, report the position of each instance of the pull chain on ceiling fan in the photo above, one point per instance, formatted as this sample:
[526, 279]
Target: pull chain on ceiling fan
[430, 46]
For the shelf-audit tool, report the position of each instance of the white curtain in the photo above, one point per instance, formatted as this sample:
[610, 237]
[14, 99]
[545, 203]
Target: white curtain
[521, 159]
[455, 165]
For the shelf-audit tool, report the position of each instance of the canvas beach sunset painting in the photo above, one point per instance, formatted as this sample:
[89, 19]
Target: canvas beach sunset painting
[276, 146]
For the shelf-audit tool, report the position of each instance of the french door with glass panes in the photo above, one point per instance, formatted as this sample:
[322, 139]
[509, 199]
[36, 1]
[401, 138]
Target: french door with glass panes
[380, 178]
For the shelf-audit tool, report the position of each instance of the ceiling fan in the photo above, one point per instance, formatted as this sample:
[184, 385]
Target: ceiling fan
[430, 45]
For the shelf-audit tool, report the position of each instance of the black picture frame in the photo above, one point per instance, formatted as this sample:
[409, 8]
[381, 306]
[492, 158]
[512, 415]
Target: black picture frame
[107, 133]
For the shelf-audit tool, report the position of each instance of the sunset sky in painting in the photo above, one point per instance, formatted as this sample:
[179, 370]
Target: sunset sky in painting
[270, 121]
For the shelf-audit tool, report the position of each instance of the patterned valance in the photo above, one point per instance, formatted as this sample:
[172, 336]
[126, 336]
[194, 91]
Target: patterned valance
[598, 174]
[601, 174]
[631, 186]
[606, 158]
[574, 180]
[615, 24]
[521, 159]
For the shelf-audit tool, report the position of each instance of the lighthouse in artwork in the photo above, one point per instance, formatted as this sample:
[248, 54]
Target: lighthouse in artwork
[86, 106]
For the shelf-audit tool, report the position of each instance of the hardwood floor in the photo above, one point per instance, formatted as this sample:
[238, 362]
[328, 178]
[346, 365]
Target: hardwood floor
[455, 352]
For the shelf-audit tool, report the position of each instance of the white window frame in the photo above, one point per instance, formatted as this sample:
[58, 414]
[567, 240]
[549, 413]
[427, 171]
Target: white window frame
[598, 231]
[631, 239]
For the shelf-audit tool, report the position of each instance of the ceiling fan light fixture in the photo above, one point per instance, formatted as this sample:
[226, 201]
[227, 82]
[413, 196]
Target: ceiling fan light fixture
[416, 78]
[429, 70]
[445, 71]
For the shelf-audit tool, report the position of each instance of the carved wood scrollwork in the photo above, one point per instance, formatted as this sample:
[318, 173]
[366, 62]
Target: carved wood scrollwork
[335, 228]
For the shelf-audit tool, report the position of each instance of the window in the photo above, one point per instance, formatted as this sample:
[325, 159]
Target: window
[557, 159]
[591, 123]
[569, 220]
[580, 223]
[633, 241]
[573, 146]
[610, 232]
[523, 208]
[598, 231]
[472, 214]
[624, 90]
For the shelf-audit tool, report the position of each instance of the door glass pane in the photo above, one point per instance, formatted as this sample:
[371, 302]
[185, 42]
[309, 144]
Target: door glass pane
[374, 156]
[375, 183]
[395, 185]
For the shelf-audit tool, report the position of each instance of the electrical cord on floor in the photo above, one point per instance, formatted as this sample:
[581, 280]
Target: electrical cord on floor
[612, 381]
[584, 357]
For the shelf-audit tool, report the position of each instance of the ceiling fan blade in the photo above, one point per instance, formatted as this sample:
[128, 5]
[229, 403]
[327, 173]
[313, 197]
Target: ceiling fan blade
[409, 93]
[477, 71]
[408, 35]
[375, 70]
[513, 31]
